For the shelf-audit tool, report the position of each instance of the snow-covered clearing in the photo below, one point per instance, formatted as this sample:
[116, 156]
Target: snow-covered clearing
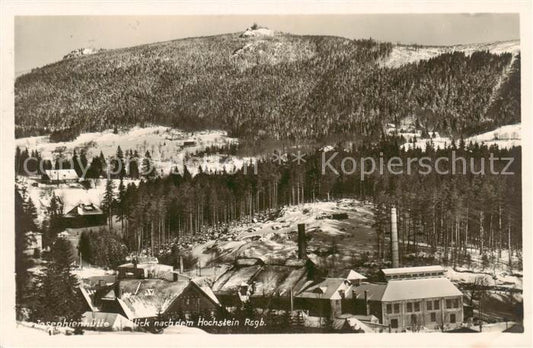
[503, 137]
[406, 54]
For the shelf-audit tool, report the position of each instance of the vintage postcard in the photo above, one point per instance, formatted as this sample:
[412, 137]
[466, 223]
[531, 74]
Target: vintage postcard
[297, 174]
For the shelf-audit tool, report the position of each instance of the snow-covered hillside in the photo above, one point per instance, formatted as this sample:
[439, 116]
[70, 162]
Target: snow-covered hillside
[169, 147]
[275, 239]
[405, 54]
[504, 137]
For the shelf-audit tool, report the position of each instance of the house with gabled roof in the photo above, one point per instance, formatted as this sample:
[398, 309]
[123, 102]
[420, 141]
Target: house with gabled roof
[84, 215]
[60, 176]
[138, 299]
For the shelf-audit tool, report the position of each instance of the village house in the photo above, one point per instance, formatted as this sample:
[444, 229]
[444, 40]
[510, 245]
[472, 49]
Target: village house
[345, 298]
[153, 299]
[60, 176]
[144, 268]
[35, 245]
[323, 299]
[84, 215]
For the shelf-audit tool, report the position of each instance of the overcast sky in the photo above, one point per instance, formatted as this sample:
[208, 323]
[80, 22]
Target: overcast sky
[46, 39]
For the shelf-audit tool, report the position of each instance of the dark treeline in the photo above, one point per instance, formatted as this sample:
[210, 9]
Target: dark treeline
[50, 295]
[299, 87]
[451, 213]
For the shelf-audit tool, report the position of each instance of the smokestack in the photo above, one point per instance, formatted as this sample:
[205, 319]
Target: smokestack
[302, 252]
[394, 239]
[366, 302]
[118, 293]
[135, 262]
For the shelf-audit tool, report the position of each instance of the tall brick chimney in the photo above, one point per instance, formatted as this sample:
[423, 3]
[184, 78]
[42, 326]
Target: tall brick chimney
[302, 248]
[394, 239]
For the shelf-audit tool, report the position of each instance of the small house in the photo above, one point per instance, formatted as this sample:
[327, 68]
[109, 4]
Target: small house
[60, 176]
[84, 215]
[35, 244]
[145, 268]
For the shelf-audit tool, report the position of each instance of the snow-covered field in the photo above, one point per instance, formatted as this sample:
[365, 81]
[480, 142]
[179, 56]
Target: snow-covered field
[504, 137]
[169, 147]
[405, 54]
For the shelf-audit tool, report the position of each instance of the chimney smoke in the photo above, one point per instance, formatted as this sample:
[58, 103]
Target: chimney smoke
[394, 239]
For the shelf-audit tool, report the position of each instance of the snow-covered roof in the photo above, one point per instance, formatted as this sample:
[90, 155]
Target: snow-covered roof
[84, 209]
[151, 266]
[148, 297]
[114, 321]
[353, 275]
[410, 270]
[267, 279]
[86, 294]
[248, 261]
[62, 174]
[412, 289]
[353, 322]
[207, 290]
[328, 288]
[374, 292]
[235, 277]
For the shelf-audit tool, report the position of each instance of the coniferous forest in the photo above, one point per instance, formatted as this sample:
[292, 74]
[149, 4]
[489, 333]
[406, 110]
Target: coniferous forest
[473, 208]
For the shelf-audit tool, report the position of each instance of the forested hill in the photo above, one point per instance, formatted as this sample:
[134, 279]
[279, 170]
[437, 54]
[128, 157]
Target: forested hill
[272, 85]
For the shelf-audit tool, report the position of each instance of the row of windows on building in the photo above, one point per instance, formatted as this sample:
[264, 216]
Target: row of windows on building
[416, 275]
[411, 307]
[414, 320]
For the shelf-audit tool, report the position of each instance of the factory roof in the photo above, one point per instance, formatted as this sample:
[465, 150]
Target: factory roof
[412, 289]
[409, 270]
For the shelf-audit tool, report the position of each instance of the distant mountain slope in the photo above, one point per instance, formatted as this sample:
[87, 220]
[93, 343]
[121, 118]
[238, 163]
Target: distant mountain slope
[406, 54]
[278, 86]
